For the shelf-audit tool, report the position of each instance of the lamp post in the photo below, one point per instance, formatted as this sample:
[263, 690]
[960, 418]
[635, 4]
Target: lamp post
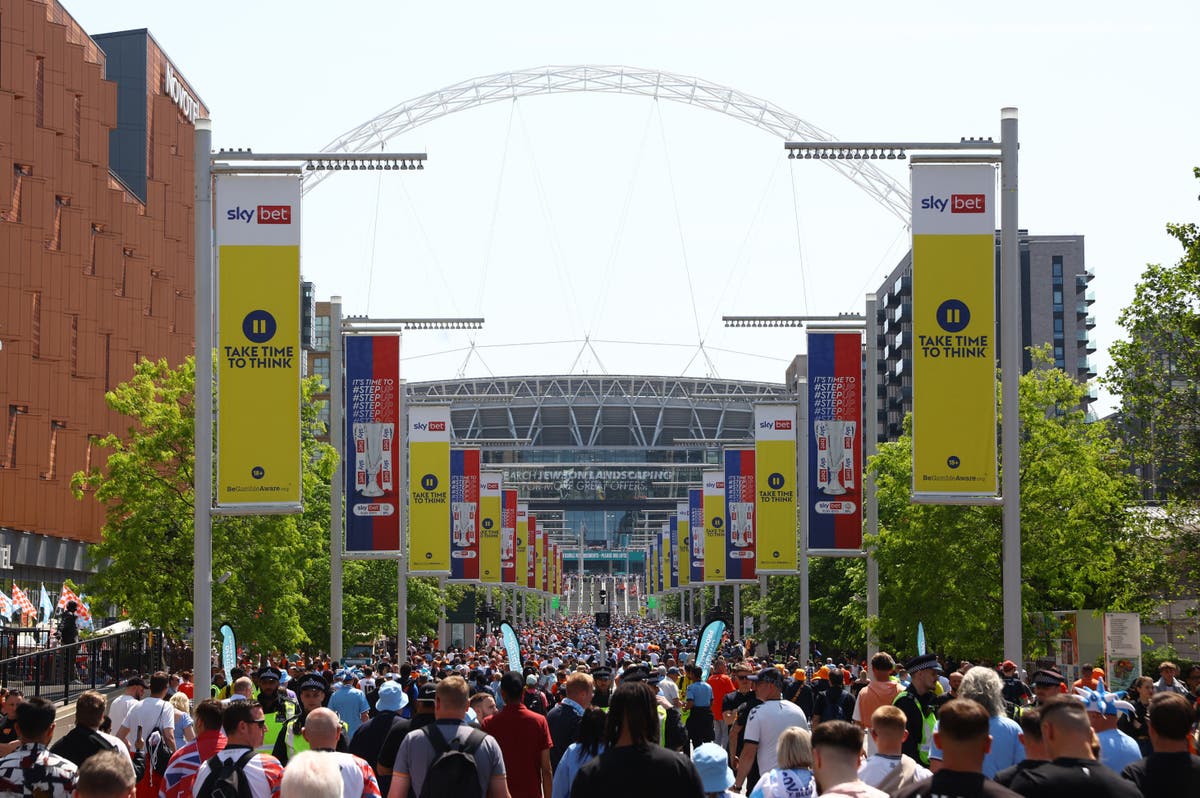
[206, 164]
[962, 152]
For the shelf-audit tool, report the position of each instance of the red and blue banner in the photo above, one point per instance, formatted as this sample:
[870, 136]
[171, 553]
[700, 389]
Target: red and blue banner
[372, 426]
[696, 533]
[464, 514]
[674, 551]
[508, 537]
[740, 537]
[532, 576]
[834, 440]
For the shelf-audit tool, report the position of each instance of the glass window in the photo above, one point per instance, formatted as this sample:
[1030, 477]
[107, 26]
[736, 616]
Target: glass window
[321, 368]
[1058, 326]
[1056, 266]
[321, 333]
[1058, 353]
[1058, 298]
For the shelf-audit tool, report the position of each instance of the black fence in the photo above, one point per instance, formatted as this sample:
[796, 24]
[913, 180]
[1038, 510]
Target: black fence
[60, 674]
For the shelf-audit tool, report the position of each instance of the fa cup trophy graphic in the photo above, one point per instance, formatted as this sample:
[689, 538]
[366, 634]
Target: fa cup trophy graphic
[835, 456]
[373, 458]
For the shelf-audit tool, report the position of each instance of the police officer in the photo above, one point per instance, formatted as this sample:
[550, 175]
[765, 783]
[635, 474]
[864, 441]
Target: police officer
[313, 691]
[278, 709]
[1047, 684]
[602, 677]
[920, 705]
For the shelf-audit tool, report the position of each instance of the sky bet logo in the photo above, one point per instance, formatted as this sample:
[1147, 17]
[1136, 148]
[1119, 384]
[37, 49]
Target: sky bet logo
[958, 203]
[265, 214]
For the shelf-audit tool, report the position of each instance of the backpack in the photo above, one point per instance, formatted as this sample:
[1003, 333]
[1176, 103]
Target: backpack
[226, 777]
[158, 755]
[837, 709]
[453, 770]
[535, 701]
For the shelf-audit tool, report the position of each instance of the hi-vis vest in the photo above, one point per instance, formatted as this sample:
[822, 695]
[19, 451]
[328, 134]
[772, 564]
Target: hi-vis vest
[277, 722]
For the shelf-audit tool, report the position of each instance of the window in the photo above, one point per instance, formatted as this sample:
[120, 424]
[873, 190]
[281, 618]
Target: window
[1056, 267]
[1058, 327]
[75, 345]
[78, 126]
[10, 442]
[36, 332]
[108, 362]
[1058, 353]
[321, 369]
[323, 414]
[52, 468]
[321, 333]
[39, 92]
[1058, 299]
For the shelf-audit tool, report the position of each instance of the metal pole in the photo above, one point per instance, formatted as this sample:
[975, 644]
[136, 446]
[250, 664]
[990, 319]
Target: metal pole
[402, 561]
[1010, 377]
[737, 612]
[762, 596]
[337, 438]
[202, 477]
[802, 484]
[870, 447]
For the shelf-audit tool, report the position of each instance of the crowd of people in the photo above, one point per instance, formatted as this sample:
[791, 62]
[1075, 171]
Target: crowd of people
[617, 713]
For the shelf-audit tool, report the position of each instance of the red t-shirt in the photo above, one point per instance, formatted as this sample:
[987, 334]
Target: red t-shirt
[523, 736]
[721, 686]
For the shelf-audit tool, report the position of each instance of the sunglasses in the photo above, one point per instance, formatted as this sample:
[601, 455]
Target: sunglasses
[262, 724]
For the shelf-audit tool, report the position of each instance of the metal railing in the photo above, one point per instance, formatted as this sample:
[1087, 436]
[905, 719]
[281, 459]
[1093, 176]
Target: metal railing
[59, 674]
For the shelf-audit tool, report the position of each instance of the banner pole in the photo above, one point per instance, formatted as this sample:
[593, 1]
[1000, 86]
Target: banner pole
[802, 477]
[870, 447]
[203, 446]
[402, 560]
[337, 434]
[1010, 380]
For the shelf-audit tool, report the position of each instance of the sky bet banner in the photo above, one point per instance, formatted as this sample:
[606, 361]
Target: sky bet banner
[429, 489]
[372, 431]
[524, 565]
[739, 515]
[508, 537]
[490, 527]
[258, 343]
[714, 526]
[696, 533]
[954, 326]
[536, 542]
[835, 440]
[684, 548]
[775, 487]
[464, 514]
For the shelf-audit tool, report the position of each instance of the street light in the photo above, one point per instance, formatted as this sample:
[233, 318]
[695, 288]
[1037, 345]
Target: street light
[979, 150]
[206, 164]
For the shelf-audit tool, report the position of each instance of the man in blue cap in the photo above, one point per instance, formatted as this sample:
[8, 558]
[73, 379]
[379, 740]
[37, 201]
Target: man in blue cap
[350, 703]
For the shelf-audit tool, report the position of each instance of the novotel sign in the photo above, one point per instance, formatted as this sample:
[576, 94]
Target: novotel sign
[173, 88]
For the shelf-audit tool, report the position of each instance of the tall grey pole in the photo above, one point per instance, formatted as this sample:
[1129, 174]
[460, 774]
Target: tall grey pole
[203, 470]
[1010, 377]
[337, 437]
[402, 560]
[762, 596]
[870, 447]
[802, 493]
[737, 611]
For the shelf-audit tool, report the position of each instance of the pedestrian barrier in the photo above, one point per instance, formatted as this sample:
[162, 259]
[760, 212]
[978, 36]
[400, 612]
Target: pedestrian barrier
[61, 673]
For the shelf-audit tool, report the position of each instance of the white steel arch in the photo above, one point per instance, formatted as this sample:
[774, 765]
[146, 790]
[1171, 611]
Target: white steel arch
[370, 135]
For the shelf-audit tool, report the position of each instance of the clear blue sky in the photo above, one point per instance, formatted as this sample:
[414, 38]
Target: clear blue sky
[561, 217]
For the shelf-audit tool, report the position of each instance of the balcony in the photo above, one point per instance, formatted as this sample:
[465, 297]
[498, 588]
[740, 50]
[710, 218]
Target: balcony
[1090, 322]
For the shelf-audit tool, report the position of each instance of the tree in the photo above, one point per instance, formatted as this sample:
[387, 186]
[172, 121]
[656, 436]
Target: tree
[147, 545]
[1156, 372]
[941, 564]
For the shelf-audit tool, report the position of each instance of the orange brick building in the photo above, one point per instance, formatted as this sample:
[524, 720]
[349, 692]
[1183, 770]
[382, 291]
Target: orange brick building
[96, 262]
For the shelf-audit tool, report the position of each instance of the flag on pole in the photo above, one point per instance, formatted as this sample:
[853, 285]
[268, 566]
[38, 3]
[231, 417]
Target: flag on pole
[920, 638]
[22, 602]
[84, 613]
[81, 608]
[45, 606]
[5, 609]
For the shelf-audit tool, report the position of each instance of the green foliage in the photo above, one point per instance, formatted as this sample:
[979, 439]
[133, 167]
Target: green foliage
[942, 564]
[1156, 371]
[145, 556]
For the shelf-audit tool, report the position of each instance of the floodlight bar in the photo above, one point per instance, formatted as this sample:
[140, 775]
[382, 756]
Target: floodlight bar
[790, 321]
[331, 161]
[878, 150]
[693, 442]
[450, 323]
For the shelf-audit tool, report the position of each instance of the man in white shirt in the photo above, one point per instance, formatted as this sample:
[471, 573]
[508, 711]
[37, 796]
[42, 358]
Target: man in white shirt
[668, 688]
[765, 723]
[135, 688]
[150, 713]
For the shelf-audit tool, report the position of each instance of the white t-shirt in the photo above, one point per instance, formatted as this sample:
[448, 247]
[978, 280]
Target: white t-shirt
[669, 690]
[764, 725]
[876, 768]
[148, 714]
[120, 708]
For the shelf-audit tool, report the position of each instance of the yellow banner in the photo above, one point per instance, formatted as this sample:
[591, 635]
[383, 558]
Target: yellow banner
[429, 489]
[539, 556]
[685, 551]
[521, 546]
[714, 526]
[954, 325]
[775, 487]
[490, 485]
[258, 374]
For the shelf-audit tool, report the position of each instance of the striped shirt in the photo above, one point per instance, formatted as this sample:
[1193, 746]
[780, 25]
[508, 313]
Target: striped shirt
[181, 770]
[263, 773]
